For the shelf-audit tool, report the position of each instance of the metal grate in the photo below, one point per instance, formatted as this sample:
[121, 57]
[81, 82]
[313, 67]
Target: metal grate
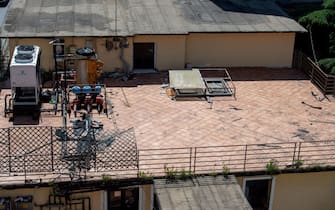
[38, 149]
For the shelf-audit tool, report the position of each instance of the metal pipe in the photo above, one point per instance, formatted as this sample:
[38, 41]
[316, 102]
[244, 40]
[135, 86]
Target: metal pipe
[6, 109]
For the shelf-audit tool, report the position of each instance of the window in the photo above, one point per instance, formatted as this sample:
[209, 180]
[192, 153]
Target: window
[125, 199]
[259, 192]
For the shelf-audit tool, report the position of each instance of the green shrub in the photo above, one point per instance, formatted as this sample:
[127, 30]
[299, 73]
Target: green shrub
[272, 167]
[145, 175]
[225, 170]
[314, 168]
[298, 163]
[170, 172]
[185, 174]
[106, 179]
[328, 65]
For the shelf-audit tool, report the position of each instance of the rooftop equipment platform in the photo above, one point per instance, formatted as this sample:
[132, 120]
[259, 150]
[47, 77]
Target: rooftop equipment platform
[187, 82]
[190, 83]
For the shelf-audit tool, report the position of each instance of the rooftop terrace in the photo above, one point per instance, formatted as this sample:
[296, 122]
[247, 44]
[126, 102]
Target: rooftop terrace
[277, 114]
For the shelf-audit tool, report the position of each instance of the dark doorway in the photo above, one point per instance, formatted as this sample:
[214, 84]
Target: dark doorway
[125, 199]
[144, 55]
[258, 193]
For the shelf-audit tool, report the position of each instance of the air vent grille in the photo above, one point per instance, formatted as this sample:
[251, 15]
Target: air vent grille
[25, 49]
[23, 58]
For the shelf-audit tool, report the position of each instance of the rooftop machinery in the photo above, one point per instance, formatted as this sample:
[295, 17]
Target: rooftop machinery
[25, 82]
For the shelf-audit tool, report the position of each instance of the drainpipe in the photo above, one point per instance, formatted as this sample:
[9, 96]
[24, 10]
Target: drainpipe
[125, 65]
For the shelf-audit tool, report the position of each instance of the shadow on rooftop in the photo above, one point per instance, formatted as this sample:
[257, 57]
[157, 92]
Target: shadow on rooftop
[237, 74]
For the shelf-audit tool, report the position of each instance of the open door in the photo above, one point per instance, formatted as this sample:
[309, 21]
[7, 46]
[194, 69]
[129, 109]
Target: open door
[144, 55]
[258, 192]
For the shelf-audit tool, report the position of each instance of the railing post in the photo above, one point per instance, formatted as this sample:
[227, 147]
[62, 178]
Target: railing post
[138, 163]
[24, 168]
[245, 157]
[195, 160]
[294, 151]
[299, 149]
[190, 166]
[52, 149]
[9, 152]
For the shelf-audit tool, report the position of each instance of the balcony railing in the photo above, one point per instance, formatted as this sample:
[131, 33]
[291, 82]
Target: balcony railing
[35, 153]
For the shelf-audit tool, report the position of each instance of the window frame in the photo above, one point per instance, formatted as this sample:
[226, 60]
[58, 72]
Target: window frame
[273, 186]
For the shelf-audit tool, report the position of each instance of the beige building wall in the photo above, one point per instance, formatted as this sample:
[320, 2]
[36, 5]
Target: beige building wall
[112, 57]
[47, 60]
[307, 191]
[40, 195]
[98, 198]
[240, 49]
[174, 51]
[169, 50]
[147, 199]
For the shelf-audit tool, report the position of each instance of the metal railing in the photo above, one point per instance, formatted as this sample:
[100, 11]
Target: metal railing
[325, 82]
[34, 151]
[238, 158]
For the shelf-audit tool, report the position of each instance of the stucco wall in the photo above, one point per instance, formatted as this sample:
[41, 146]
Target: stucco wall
[169, 49]
[147, 196]
[111, 57]
[307, 191]
[41, 196]
[174, 51]
[240, 49]
[47, 60]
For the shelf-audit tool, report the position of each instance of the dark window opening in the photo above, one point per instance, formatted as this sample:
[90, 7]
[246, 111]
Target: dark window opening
[144, 55]
[258, 193]
[125, 199]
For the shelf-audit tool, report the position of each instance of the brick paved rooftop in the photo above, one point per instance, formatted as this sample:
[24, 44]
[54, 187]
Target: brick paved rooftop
[274, 108]
[271, 106]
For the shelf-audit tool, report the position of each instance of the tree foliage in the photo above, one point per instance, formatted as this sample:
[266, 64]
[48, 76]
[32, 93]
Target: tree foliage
[329, 4]
[324, 18]
[328, 64]
[332, 44]
[321, 23]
